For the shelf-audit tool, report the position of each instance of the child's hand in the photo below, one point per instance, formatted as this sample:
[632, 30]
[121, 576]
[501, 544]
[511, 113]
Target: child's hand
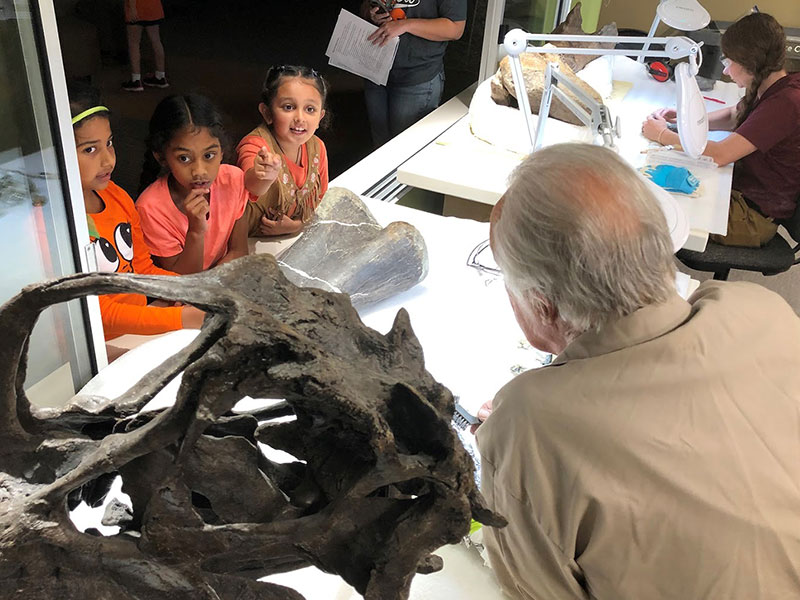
[266, 165]
[670, 115]
[196, 208]
[280, 225]
[653, 128]
[192, 318]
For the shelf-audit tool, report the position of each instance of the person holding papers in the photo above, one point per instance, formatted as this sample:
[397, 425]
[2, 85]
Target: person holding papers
[416, 80]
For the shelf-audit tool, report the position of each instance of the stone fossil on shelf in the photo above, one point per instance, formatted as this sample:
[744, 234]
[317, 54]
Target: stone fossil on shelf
[573, 25]
[343, 249]
[380, 479]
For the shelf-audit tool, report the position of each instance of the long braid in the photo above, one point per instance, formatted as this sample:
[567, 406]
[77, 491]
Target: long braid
[771, 64]
[750, 97]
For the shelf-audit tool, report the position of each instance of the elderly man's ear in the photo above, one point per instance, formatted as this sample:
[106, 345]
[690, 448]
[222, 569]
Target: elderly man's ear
[540, 321]
[536, 306]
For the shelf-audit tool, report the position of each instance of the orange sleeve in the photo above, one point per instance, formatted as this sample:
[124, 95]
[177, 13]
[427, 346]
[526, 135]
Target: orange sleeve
[129, 313]
[247, 150]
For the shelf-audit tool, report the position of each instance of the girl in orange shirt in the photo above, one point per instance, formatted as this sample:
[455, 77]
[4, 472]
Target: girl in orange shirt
[114, 226]
[192, 215]
[285, 164]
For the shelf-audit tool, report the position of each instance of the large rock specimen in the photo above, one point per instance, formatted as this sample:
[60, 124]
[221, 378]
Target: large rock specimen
[534, 66]
[533, 69]
[343, 249]
[380, 479]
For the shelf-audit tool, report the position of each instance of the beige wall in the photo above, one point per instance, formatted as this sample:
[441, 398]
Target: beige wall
[639, 14]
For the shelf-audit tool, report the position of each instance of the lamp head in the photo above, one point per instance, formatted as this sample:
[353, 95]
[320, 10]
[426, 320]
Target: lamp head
[684, 15]
[692, 115]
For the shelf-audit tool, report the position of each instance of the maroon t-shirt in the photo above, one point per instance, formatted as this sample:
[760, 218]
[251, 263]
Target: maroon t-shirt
[770, 176]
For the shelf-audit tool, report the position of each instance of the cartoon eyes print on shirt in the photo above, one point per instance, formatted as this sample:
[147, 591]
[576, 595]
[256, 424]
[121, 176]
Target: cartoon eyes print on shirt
[106, 255]
[115, 257]
[124, 241]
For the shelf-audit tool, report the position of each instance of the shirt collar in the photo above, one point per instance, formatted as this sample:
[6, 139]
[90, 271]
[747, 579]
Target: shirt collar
[788, 80]
[641, 326]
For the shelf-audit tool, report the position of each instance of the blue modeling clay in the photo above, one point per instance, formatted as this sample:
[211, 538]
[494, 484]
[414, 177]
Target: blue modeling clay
[673, 179]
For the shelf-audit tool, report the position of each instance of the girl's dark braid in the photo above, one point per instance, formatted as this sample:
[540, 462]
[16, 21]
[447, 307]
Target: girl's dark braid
[770, 64]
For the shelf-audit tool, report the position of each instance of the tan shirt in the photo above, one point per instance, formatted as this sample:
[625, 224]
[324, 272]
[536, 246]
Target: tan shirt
[656, 459]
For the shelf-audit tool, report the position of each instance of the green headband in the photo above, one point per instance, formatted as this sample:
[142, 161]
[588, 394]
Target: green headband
[88, 112]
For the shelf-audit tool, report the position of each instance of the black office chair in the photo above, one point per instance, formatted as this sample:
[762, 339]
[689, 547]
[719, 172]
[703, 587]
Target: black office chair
[775, 257]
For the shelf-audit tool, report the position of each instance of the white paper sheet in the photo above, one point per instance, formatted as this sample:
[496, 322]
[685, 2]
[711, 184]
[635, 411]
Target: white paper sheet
[349, 49]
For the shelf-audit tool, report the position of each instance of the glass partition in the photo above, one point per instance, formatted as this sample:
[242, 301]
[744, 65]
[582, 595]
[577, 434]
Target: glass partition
[37, 234]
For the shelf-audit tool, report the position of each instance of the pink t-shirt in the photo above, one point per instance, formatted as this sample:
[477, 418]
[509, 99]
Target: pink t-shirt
[165, 226]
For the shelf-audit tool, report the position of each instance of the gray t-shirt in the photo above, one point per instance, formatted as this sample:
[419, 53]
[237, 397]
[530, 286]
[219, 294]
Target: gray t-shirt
[419, 60]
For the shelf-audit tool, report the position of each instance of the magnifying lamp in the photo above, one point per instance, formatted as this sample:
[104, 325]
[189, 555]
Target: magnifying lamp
[683, 15]
[692, 116]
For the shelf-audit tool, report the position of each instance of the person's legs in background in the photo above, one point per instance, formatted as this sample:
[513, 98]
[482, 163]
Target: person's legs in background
[409, 104]
[376, 98]
[159, 79]
[746, 226]
[135, 55]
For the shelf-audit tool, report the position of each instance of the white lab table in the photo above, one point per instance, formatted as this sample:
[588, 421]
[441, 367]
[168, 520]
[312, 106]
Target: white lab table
[459, 164]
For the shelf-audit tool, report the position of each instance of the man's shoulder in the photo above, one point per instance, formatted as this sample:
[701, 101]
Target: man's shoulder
[758, 301]
[531, 392]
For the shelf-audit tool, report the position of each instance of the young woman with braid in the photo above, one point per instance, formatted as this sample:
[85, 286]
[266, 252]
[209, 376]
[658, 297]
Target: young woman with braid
[765, 143]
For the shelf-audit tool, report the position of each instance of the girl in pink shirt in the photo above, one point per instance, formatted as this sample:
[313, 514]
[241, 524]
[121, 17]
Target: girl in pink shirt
[192, 214]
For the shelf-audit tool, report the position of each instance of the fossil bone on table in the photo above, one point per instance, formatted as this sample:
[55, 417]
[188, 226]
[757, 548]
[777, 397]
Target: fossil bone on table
[344, 249]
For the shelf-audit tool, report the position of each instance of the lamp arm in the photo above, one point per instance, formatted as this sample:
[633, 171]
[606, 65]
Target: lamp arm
[593, 114]
[516, 42]
[522, 97]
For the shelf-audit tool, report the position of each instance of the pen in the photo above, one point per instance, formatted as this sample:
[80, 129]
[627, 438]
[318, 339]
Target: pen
[717, 100]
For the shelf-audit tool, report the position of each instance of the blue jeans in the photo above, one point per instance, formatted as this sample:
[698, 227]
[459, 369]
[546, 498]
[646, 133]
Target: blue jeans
[393, 109]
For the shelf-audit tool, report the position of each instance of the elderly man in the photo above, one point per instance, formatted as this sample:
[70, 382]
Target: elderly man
[658, 457]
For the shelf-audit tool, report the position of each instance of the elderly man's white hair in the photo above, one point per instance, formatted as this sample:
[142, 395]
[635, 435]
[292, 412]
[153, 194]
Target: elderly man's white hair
[579, 227]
